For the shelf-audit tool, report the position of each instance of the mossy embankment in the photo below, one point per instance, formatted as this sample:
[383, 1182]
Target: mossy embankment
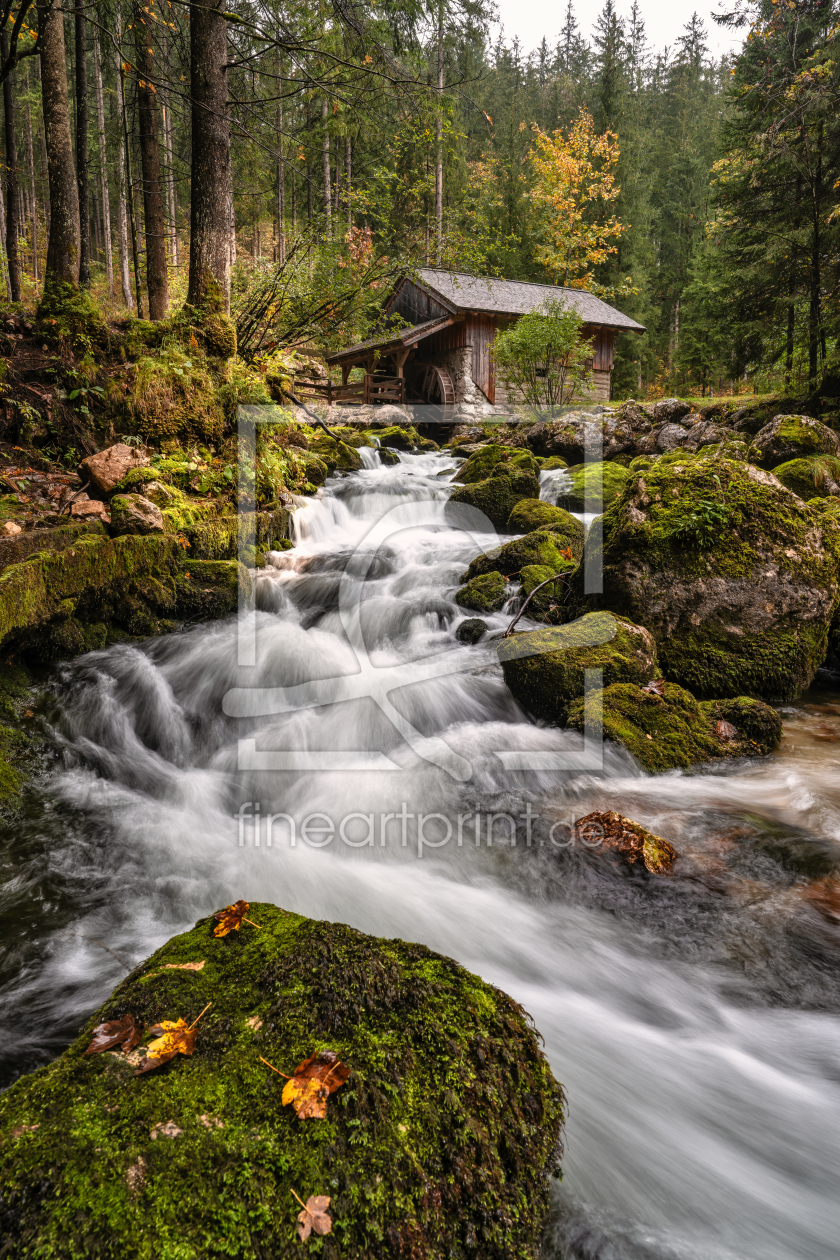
[441, 1143]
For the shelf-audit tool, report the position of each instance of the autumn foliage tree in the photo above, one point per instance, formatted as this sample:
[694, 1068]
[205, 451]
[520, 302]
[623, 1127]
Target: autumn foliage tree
[573, 193]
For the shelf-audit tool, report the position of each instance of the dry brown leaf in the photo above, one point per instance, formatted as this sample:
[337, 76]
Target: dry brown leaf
[312, 1083]
[171, 1037]
[198, 966]
[726, 731]
[314, 1216]
[231, 918]
[254, 1022]
[122, 1032]
[566, 553]
[166, 1129]
[211, 1122]
[656, 685]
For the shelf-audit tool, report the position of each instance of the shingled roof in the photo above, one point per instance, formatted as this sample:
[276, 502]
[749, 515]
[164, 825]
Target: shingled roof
[463, 292]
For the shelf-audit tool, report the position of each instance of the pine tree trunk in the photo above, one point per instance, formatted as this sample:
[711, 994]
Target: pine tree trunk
[3, 267]
[348, 163]
[64, 243]
[212, 203]
[157, 279]
[82, 148]
[326, 151]
[103, 164]
[281, 182]
[171, 209]
[30, 163]
[122, 212]
[12, 193]
[439, 144]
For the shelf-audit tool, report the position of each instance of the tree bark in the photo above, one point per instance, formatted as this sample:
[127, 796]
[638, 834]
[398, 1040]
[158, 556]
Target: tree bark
[64, 244]
[122, 213]
[3, 266]
[281, 180]
[439, 144]
[82, 171]
[326, 148]
[12, 192]
[157, 279]
[30, 163]
[171, 208]
[103, 164]
[211, 207]
[348, 162]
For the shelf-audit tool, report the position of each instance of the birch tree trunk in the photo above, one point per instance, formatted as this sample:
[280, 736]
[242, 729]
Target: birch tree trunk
[103, 164]
[157, 279]
[63, 245]
[82, 171]
[211, 202]
[122, 213]
[169, 149]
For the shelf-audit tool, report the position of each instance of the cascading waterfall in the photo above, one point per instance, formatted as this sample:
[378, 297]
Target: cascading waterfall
[693, 1022]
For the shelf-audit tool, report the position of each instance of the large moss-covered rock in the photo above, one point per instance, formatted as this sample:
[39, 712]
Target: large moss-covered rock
[336, 455]
[816, 477]
[673, 730]
[542, 546]
[735, 577]
[545, 669]
[482, 462]
[440, 1143]
[531, 514]
[792, 437]
[546, 604]
[594, 486]
[486, 593]
[498, 494]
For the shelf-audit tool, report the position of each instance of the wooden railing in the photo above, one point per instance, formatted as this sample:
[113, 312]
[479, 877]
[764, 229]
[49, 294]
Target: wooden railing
[373, 389]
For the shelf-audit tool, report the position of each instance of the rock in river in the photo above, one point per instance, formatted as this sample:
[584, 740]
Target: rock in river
[440, 1143]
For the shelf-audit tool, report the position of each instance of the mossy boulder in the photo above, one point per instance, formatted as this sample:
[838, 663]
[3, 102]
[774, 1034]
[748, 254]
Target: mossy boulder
[531, 514]
[497, 495]
[792, 437]
[546, 605]
[553, 463]
[399, 437]
[135, 514]
[545, 669]
[594, 486]
[482, 463]
[668, 728]
[336, 455]
[735, 577]
[541, 546]
[441, 1142]
[816, 477]
[483, 594]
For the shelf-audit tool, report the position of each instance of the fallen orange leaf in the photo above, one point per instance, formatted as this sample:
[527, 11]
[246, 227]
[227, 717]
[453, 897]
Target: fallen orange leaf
[312, 1083]
[231, 918]
[171, 1037]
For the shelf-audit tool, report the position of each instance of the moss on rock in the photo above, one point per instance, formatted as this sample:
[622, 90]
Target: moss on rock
[816, 477]
[792, 437]
[483, 462]
[594, 486]
[735, 577]
[441, 1143]
[498, 494]
[673, 730]
[546, 604]
[552, 463]
[545, 669]
[336, 455]
[541, 546]
[531, 514]
[486, 593]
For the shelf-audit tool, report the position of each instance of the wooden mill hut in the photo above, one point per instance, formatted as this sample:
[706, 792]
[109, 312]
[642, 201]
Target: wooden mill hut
[443, 355]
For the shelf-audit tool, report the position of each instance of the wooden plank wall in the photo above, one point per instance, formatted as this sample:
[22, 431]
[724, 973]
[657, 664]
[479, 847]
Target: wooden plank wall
[414, 304]
[603, 341]
[480, 331]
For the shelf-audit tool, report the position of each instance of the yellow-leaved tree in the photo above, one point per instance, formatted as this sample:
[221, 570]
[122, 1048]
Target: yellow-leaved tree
[574, 188]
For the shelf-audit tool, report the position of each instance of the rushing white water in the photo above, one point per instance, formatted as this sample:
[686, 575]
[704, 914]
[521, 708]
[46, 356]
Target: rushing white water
[693, 1021]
